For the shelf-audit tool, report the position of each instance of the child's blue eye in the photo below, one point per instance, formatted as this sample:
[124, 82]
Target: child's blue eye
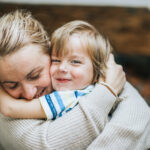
[76, 62]
[55, 60]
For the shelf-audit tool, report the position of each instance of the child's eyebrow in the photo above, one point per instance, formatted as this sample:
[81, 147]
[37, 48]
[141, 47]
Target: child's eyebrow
[77, 56]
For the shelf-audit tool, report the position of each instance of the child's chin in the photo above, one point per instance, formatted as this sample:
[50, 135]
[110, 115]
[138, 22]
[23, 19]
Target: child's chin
[63, 88]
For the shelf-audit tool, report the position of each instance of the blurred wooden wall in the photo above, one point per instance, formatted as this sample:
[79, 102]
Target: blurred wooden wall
[127, 28]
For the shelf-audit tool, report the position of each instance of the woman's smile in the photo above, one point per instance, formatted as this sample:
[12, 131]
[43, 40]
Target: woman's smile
[29, 69]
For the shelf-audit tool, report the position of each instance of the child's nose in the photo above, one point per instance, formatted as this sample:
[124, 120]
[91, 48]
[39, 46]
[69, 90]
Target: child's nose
[63, 67]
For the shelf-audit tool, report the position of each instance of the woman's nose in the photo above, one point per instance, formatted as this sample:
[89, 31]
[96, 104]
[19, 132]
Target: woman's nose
[29, 91]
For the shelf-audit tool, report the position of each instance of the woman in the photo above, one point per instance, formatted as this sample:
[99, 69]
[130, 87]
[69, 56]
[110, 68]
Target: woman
[24, 73]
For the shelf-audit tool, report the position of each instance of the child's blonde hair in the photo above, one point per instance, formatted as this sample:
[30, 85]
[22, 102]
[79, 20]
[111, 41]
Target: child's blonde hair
[19, 28]
[98, 48]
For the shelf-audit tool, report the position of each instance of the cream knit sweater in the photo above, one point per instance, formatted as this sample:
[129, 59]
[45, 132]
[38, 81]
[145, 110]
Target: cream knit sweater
[86, 126]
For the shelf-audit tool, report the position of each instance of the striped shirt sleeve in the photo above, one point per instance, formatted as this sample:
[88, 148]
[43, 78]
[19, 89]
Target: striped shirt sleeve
[59, 102]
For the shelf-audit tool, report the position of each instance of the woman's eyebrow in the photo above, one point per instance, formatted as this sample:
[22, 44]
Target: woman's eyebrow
[27, 76]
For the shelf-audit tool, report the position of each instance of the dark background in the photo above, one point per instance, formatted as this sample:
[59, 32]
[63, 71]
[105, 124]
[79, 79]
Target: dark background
[127, 28]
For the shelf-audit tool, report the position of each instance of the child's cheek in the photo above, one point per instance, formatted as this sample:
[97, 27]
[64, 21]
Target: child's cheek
[53, 72]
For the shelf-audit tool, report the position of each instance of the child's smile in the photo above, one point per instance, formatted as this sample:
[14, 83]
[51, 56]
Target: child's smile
[73, 70]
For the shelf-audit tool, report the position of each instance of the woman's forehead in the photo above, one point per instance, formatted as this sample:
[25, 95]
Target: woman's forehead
[22, 62]
[12, 70]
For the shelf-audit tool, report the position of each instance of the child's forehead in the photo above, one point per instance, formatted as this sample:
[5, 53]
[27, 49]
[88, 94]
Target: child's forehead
[73, 43]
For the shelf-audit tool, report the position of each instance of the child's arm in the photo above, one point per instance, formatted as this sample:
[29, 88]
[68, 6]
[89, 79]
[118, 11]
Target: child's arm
[14, 108]
[19, 108]
[49, 106]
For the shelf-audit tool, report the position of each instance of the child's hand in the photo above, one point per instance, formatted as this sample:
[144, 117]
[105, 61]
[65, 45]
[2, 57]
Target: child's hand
[5, 102]
[115, 76]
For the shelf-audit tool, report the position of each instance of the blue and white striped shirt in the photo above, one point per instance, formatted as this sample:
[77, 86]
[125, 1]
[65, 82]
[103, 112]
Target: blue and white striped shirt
[59, 102]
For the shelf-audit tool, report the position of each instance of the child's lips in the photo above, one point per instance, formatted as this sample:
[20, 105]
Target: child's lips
[63, 80]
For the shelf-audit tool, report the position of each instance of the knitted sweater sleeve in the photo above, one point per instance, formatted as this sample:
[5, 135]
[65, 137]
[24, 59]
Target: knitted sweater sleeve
[129, 128]
[75, 130]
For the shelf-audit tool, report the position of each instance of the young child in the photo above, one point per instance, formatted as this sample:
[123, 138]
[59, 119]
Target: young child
[78, 59]
[79, 54]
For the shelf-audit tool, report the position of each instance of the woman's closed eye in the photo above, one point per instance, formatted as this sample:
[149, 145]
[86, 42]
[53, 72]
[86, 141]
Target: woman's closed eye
[34, 77]
[11, 86]
[35, 74]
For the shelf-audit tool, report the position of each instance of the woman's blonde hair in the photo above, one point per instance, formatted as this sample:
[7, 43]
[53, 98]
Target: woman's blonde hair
[98, 48]
[19, 28]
